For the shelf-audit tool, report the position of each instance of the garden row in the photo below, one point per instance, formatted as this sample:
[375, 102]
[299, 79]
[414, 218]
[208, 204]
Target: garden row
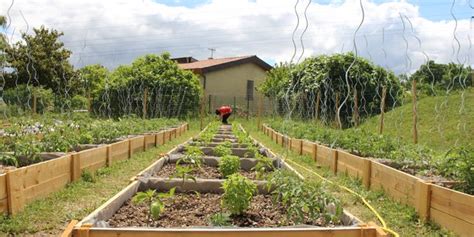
[451, 209]
[20, 186]
[26, 141]
[221, 178]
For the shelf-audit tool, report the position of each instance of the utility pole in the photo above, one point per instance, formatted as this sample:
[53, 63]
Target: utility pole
[212, 52]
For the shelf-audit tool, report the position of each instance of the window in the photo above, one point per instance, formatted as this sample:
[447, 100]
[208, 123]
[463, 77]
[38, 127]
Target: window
[249, 90]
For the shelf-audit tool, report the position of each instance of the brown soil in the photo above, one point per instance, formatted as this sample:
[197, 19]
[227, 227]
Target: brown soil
[208, 172]
[185, 210]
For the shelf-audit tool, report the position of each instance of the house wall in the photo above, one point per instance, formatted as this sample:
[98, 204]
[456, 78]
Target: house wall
[232, 81]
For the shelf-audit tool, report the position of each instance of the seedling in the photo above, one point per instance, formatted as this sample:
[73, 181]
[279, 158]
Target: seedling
[184, 172]
[193, 156]
[229, 165]
[155, 203]
[220, 219]
[238, 192]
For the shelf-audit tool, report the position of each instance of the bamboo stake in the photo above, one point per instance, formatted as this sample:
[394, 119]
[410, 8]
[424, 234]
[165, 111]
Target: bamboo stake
[415, 129]
[338, 118]
[34, 103]
[145, 98]
[318, 98]
[382, 109]
[356, 108]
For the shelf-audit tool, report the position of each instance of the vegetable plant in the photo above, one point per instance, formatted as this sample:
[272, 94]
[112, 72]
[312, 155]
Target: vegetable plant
[184, 173]
[193, 156]
[228, 165]
[222, 150]
[238, 192]
[154, 202]
[263, 166]
[304, 201]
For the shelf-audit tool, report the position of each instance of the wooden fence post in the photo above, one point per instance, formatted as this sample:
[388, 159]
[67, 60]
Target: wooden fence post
[415, 129]
[318, 98]
[356, 108]
[334, 161]
[210, 103]
[109, 156]
[34, 102]
[145, 102]
[366, 173]
[259, 110]
[338, 118]
[75, 167]
[382, 109]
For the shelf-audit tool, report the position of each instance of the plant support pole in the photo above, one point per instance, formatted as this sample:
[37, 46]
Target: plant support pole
[382, 109]
[415, 129]
[338, 119]
[34, 103]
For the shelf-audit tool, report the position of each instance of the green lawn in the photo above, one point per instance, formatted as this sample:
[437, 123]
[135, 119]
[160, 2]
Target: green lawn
[49, 216]
[442, 121]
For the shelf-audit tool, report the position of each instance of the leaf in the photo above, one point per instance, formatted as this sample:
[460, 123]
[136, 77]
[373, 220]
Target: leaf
[156, 208]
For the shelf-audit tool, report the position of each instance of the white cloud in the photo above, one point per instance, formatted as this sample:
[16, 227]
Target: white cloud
[113, 32]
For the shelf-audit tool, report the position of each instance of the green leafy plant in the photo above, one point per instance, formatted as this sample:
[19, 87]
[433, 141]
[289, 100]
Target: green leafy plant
[304, 201]
[238, 192]
[184, 173]
[229, 165]
[459, 164]
[222, 150]
[88, 176]
[220, 219]
[154, 201]
[193, 156]
[8, 159]
[263, 166]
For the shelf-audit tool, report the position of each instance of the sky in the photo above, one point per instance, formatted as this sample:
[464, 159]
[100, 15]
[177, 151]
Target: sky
[399, 35]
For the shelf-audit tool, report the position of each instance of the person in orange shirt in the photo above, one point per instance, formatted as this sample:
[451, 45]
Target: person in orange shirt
[224, 112]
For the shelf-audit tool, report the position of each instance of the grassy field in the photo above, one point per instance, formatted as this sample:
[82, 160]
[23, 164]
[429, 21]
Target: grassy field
[400, 218]
[443, 121]
[49, 216]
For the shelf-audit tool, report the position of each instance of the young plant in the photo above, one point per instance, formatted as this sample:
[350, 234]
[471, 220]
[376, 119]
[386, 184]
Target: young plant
[263, 166]
[229, 165]
[192, 156]
[184, 173]
[304, 201]
[155, 203]
[8, 159]
[222, 150]
[220, 219]
[238, 192]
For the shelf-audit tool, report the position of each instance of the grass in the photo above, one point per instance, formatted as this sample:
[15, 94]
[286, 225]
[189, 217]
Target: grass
[49, 216]
[400, 218]
[443, 121]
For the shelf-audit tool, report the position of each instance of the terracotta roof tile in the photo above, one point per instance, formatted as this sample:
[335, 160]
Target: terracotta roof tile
[210, 62]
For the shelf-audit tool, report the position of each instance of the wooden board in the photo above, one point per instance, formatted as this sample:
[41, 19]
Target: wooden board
[351, 164]
[398, 185]
[36, 181]
[136, 144]
[167, 136]
[92, 159]
[173, 133]
[150, 140]
[3, 194]
[247, 232]
[119, 151]
[452, 208]
[160, 137]
[309, 148]
[279, 138]
[326, 156]
[296, 145]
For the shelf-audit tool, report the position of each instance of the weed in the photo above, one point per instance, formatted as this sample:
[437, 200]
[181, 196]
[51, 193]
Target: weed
[88, 176]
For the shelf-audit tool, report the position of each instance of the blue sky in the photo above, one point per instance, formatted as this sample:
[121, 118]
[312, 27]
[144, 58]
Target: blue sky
[435, 10]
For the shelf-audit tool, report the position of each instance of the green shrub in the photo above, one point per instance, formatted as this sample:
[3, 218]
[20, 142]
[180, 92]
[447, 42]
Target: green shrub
[238, 192]
[79, 102]
[459, 164]
[22, 96]
[229, 165]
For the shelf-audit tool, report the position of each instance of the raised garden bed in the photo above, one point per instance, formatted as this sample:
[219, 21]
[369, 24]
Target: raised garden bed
[191, 206]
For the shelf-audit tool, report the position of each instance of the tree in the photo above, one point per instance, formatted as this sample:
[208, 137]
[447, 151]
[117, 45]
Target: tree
[171, 91]
[432, 77]
[41, 59]
[92, 79]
